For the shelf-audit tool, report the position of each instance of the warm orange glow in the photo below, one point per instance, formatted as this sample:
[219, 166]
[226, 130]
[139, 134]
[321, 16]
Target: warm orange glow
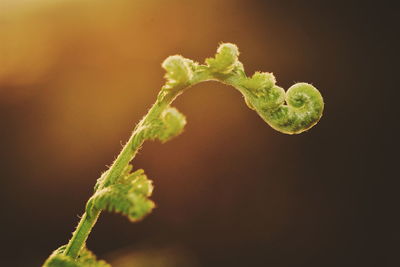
[76, 75]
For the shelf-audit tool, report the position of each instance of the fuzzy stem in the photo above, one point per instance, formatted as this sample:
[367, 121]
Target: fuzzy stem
[81, 234]
[166, 96]
[127, 153]
[289, 112]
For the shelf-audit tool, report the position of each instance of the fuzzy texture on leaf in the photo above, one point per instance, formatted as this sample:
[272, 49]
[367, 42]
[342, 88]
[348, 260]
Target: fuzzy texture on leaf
[303, 108]
[168, 125]
[172, 123]
[128, 196]
[119, 190]
[259, 83]
[178, 70]
[225, 60]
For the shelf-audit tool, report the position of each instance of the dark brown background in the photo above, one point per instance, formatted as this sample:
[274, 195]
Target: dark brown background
[75, 76]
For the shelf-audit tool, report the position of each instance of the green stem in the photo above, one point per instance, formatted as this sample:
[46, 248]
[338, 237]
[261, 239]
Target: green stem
[302, 110]
[87, 222]
[81, 234]
[127, 153]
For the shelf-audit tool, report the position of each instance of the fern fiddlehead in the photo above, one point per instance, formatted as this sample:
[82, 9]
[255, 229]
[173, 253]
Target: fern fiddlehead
[126, 192]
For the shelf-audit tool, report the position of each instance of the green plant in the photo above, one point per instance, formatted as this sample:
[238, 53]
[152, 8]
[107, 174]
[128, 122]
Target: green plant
[121, 190]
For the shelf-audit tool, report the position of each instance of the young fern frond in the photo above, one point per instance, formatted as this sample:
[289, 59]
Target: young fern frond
[169, 125]
[225, 60]
[120, 190]
[128, 196]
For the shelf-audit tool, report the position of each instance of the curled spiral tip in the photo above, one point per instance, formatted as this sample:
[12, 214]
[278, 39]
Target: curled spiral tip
[169, 124]
[228, 48]
[225, 59]
[303, 109]
[172, 124]
[179, 70]
[123, 191]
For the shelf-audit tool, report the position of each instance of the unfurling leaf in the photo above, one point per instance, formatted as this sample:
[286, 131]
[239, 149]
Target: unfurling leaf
[129, 196]
[225, 60]
[179, 70]
[259, 83]
[172, 124]
[119, 190]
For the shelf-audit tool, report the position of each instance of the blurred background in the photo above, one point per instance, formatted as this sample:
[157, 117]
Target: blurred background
[75, 77]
